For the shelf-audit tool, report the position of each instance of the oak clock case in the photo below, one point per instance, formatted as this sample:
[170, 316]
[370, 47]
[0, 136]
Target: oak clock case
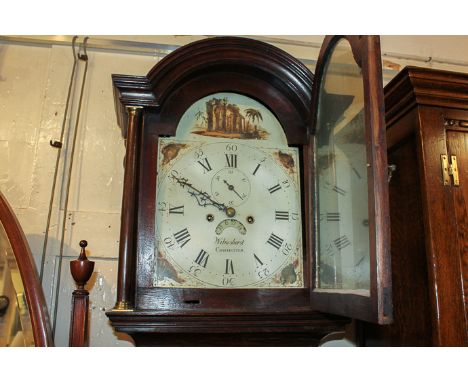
[220, 234]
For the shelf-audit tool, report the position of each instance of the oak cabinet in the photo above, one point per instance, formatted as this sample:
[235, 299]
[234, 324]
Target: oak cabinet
[427, 123]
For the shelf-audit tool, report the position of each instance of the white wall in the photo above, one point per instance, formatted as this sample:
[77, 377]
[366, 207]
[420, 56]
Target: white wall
[33, 88]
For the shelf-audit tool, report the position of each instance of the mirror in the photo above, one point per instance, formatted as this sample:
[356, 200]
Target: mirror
[15, 320]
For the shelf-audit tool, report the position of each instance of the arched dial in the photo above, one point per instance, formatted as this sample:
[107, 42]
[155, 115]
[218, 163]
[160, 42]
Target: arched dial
[228, 215]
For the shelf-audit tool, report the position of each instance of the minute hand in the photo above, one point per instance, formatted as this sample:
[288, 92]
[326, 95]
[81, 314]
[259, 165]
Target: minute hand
[203, 198]
[231, 188]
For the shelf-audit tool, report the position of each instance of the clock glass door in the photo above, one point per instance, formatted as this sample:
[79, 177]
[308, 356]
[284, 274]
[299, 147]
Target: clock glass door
[343, 224]
[351, 203]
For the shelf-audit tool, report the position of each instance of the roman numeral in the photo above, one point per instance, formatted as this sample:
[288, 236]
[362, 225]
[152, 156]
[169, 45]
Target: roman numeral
[229, 267]
[333, 216]
[179, 210]
[182, 237]
[339, 190]
[256, 169]
[282, 215]
[328, 250]
[341, 242]
[202, 258]
[257, 260]
[275, 241]
[274, 188]
[231, 160]
[205, 164]
[356, 172]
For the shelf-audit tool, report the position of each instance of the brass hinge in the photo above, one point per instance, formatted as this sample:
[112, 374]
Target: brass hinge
[449, 169]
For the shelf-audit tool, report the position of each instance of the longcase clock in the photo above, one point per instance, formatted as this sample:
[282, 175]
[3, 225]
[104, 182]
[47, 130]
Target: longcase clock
[255, 199]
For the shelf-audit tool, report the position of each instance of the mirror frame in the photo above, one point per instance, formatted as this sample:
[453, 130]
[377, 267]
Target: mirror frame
[33, 289]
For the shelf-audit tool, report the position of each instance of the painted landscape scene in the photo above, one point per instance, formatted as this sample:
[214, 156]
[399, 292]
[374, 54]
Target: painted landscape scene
[220, 118]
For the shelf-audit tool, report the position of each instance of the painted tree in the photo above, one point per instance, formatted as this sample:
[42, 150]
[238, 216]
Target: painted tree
[252, 115]
[199, 115]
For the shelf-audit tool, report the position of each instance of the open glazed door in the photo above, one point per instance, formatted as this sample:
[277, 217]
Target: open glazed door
[352, 247]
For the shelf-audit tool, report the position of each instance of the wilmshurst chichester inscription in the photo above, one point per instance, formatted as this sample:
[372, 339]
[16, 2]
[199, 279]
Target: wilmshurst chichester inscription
[230, 243]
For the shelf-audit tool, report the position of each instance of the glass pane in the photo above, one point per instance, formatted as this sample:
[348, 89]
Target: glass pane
[343, 221]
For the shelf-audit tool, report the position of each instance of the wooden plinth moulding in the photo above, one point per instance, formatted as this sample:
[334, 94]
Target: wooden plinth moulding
[81, 270]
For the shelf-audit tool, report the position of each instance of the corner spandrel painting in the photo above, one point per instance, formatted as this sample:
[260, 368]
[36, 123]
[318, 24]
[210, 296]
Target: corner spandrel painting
[230, 116]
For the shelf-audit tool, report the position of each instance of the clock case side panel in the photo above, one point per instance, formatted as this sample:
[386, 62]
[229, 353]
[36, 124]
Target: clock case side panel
[378, 306]
[238, 65]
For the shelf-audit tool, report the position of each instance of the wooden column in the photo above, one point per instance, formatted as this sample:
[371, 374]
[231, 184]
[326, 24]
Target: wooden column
[81, 270]
[126, 272]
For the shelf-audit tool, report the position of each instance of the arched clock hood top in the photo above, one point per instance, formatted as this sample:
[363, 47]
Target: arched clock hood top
[242, 56]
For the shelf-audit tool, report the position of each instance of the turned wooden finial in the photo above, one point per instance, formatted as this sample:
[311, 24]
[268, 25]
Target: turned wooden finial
[82, 268]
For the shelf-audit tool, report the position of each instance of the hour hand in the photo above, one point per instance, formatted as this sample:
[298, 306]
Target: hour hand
[203, 198]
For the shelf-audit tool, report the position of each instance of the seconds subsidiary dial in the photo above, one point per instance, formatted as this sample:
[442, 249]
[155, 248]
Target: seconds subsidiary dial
[228, 215]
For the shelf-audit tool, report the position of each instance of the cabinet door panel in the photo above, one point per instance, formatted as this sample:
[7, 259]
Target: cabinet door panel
[457, 142]
[352, 263]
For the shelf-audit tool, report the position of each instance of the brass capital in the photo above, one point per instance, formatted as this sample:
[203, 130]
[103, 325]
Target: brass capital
[132, 110]
[123, 305]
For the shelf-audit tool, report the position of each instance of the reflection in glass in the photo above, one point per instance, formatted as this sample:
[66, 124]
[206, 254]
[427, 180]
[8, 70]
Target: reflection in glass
[343, 221]
[15, 321]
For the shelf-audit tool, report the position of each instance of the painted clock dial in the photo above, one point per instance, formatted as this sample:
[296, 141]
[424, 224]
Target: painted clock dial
[228, 210]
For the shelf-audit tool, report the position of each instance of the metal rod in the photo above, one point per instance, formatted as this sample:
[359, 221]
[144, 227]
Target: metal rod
[59, 146]
[83, 57]
[123, 46]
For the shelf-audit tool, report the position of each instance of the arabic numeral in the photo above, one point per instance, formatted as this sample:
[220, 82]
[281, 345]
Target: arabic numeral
[287, 249]
[198, 153]
[228, 281]
[231, 147]
[169, 241]
[174, 175]
[263, 273]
